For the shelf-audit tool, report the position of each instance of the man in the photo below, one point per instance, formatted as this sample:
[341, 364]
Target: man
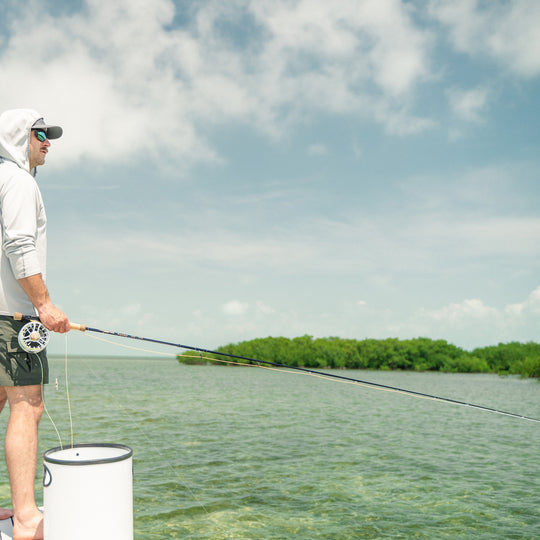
[24, 144]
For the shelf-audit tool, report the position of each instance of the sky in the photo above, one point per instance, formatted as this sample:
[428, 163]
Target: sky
[243, 169]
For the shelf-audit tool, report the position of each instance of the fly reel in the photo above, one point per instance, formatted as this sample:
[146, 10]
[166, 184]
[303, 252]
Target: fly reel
[33, 337]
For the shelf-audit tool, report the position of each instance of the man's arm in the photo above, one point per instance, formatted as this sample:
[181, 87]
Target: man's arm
[53, 318]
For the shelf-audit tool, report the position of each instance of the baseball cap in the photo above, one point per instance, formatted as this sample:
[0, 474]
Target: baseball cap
[53, 132]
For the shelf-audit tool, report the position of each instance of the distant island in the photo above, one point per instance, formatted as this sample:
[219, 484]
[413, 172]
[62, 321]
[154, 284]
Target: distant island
[418, 354]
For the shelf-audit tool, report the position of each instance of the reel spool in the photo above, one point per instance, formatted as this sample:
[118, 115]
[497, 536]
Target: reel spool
[33, 337]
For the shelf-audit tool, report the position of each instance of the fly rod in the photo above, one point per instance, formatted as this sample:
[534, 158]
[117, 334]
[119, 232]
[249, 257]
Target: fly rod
[33, 337]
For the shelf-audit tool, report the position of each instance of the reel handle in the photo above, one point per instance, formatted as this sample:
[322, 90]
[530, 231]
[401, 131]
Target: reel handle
[74, 326]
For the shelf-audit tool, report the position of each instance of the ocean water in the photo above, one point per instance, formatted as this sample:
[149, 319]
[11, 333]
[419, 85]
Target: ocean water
[249, 453]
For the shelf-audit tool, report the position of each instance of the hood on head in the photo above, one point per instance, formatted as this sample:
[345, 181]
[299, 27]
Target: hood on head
[15, 126]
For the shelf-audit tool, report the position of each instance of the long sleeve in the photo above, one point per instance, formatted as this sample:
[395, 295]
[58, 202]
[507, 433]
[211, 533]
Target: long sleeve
[24, 241]
[21, 208]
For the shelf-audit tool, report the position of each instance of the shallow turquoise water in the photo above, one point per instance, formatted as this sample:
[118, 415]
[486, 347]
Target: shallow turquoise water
[223, 452]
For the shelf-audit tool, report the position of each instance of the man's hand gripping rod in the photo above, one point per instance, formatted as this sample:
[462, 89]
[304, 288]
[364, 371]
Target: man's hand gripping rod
[21, 317]
[33, 336]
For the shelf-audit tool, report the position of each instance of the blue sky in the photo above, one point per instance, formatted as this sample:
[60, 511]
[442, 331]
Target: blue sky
[232, 170]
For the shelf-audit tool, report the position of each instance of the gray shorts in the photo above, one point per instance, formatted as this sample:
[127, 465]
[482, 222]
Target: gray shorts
[17, 367]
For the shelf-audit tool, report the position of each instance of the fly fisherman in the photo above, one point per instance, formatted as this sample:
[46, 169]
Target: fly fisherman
[24, 143]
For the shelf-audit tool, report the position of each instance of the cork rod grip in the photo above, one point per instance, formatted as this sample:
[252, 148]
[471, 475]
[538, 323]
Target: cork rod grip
[79, 327]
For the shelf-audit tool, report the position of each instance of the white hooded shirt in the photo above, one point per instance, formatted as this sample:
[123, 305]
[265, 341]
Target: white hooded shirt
[23, 221]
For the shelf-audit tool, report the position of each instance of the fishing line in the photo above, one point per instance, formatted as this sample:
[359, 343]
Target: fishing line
[84, 328]
[67, 392]
[366, 384]
[67, 395]
[130, 347]
[44, 402]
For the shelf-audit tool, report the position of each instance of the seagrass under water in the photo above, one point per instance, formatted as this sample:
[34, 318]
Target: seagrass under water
[223, 452]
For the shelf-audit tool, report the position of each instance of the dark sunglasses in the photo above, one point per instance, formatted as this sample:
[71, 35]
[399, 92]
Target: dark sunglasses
[40, 134]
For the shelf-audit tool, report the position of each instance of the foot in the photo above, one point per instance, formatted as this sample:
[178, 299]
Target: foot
[31, 529]
[5, 513]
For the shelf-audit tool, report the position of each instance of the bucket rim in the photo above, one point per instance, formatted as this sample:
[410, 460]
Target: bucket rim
[49, 459]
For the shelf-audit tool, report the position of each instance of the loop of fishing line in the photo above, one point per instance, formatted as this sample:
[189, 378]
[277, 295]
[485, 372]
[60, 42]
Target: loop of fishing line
[68, 397]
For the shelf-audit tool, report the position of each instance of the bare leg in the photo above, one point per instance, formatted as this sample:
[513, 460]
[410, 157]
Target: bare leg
[26, 407]
[5, 513]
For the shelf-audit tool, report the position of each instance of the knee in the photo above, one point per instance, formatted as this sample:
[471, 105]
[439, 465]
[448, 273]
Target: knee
[25, 402]
[35, 409]
[38, 411]
[27, 413]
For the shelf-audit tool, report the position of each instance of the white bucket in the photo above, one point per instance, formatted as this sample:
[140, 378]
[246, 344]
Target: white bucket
[88, 492]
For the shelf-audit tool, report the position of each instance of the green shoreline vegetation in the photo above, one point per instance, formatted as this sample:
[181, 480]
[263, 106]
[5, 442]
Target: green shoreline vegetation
[418, 354]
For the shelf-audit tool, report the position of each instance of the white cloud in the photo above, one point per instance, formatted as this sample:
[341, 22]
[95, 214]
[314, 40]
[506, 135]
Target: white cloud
[123, 80]
[530, 306]
[504, 31]
[472, 309]
[468, 104]
[468, 323]
[374, 39]
[264, 308]
[235, 307]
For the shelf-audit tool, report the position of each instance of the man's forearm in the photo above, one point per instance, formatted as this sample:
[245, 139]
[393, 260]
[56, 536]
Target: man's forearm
[37, 292]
